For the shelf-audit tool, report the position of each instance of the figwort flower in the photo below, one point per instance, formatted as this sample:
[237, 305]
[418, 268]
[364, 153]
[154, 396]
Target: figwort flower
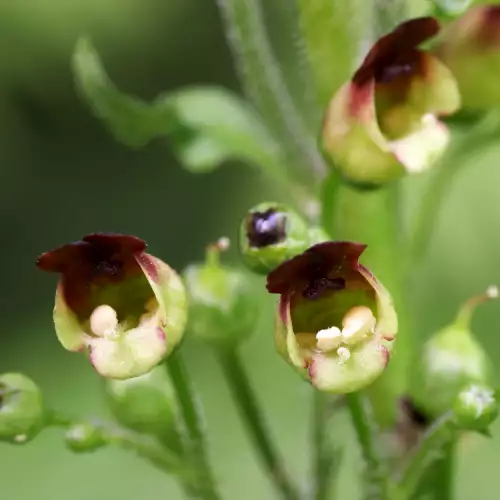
[269, 234]
[470, 47]
[335, 322]
[126, 307]
[383, 123]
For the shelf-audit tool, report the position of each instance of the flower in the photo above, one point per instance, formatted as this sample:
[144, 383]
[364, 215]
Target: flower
[383, 123]
[470, 47]
[269, 234]
[451, 358]
[335, 323]
[122, 305]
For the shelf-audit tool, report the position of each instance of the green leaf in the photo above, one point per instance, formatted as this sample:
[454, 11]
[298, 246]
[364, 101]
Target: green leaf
[206, 125]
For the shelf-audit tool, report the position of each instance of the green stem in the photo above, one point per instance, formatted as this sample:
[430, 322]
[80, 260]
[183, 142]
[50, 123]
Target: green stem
[430, 449]
[144, 446]
[376, 480]
[372, 217]
[322, 451]
[263, 82]
[244, 397]
[194, 425]
[330, 29]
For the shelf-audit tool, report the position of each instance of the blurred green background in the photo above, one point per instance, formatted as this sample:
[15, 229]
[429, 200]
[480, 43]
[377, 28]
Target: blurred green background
[62, 175]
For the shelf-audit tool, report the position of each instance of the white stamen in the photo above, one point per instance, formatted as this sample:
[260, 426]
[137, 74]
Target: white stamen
[358, 322]
[328, 339]
[344, 354]
[104, 321]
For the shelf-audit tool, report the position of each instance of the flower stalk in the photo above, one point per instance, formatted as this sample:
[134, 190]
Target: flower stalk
[376, 484]
[249, 409]
[428, 451]
[195, 428]
[145, 447]
[323, 456]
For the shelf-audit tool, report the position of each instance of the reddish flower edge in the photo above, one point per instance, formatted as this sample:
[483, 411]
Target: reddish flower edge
[402, 42]
[59, 259]
[316, 261]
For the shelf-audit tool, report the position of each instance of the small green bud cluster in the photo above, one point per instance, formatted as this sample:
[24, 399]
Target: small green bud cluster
[455, 373]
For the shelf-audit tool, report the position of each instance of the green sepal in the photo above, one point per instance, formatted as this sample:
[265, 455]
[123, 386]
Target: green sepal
[223, 301]
[145, 404]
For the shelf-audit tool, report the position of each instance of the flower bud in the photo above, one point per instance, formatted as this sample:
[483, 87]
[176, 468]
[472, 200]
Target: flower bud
[475, 408]
[470, 47]
[270, 234]
[83, 437]
[223, 301]
[451, 359]
[124, 307]
[22, 413]
[335, 323]
[383, 124]
[145, 404]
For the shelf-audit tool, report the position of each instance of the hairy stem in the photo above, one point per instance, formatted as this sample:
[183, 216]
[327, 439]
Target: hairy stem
[115, 435]
[322, 450]
[194, 425]
[372, 217]
[433, 447]
[376, 480]
[246, 402]
[330, 29]
[263, 82]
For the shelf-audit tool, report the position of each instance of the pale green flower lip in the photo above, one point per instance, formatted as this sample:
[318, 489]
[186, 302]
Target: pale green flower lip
[335, 323]
[124, 307]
